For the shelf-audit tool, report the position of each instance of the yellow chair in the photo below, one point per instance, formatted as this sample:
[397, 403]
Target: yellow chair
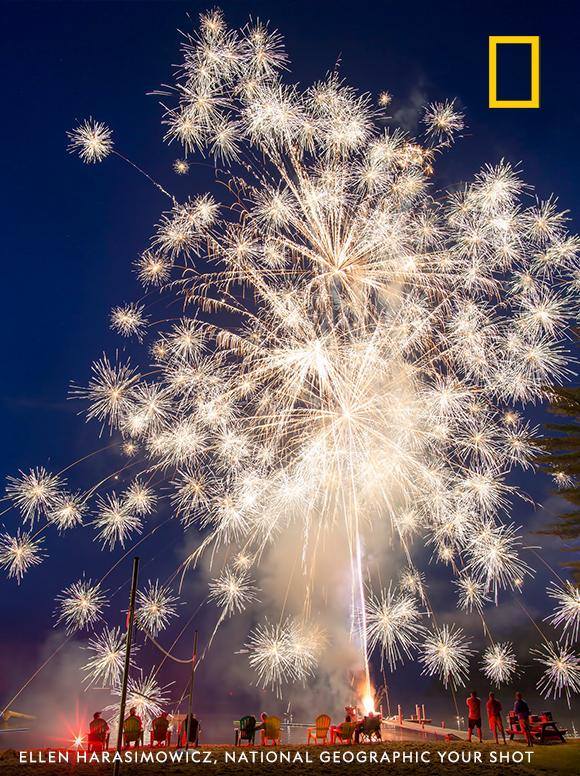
[271, 731]
[320, 732]
[344, 733]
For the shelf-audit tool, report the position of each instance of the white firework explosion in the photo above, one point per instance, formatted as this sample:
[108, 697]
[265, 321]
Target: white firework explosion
[471, 594]
[155, 607]
[35, 493]
[80, 605]
[561, 670]
[284, 652]
[566, 615]
[105, 666]
[394, 624]
[92, 140]
[232, 591]
[446, 653]
[499, 663]
[19, 553]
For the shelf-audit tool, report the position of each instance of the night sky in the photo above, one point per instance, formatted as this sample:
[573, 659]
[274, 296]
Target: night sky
[71, 231]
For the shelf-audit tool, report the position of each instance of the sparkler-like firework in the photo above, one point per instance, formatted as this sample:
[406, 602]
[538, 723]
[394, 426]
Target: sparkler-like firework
[105, 665]
[561, 670]
[356, 353]
[499, 663]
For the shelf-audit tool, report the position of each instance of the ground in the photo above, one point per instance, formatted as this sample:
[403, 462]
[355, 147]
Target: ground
[555, 760]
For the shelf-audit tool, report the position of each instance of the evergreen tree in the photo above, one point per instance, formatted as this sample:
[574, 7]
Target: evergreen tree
[561, 459]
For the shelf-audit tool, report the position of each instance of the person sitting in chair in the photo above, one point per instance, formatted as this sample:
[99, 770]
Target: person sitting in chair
[132, 729]
[98, 732]
[160, 730]
[262, 726]
[189, 733]
[343, 731]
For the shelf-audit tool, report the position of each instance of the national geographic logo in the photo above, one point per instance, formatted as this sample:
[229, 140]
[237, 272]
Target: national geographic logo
[533, 41]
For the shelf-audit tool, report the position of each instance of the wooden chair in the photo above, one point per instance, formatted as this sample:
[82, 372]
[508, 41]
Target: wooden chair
[160, 733]
[320, 731]
[190, 731]
[98, 740]
[246, 730]
[132, 732]
[271, 731]
[343, 732]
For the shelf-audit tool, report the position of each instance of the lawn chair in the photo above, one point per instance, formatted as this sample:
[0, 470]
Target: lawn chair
[271, 731]
[98, 740]
[132, 732]
[343, 732]
[320, 731]
[246, 731]
[193, 729]
[160, 733]
[370, 730]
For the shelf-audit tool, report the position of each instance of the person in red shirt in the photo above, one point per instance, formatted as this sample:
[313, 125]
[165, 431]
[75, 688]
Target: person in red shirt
[494, 716]
[474, 718]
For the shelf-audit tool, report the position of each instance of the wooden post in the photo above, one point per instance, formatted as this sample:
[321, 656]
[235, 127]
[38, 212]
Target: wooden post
[189, 705]
[128, 640]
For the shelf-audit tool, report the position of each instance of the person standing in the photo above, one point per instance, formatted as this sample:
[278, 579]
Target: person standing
[474, 717]
[522, 710]
[494, 708]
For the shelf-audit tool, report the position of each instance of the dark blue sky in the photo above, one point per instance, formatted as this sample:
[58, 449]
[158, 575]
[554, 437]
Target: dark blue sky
[70, 231]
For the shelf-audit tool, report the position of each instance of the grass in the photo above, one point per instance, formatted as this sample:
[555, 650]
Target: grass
[560, 760]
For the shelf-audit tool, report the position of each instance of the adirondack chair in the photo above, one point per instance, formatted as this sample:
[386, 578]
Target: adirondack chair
[320, 731]
[98, 736]
[271, 731]
[343, 732]
[160, 734]
[369, 730]
[246, 730]
[192, 729]
[132, 731]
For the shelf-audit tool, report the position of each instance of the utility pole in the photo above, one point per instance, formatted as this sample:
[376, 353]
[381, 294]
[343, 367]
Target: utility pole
[189, 705]
[129, 639]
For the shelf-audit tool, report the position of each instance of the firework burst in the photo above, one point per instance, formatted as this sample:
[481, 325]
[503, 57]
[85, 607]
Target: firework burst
[561, 670]
[80, 605]
[393, 623]
[499, 663]
[232, 591]
[19, 553]
[91, 140]
[446, 653]
[105, 665]
[566, 615]
[155, 607]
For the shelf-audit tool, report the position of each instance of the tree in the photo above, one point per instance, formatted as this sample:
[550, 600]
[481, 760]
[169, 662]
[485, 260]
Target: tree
[561, 459]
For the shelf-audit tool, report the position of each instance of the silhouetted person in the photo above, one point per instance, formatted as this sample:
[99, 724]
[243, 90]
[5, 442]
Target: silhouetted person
[132, 728]
[494, 717]
[160, 728]
[98, 732]
[522, 710]
[262, 727]
[474, 716]
[189, 731]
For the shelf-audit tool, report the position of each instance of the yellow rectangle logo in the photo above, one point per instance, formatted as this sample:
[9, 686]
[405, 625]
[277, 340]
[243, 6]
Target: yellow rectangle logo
[529, 40]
